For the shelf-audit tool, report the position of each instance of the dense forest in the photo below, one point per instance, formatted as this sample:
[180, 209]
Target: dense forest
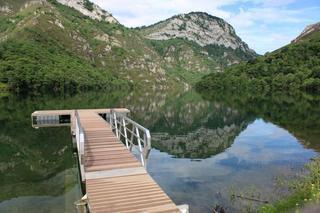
[295, 67]
[29, 66]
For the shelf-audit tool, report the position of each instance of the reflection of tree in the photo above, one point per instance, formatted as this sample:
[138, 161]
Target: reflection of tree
[33, 162]
[299, 114]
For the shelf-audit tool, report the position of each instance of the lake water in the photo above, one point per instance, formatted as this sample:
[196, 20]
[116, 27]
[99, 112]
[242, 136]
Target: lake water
[204, 150]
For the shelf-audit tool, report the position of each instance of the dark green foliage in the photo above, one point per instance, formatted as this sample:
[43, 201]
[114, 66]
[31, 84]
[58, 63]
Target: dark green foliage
[219, 51]
[4, 24]
[88, 5]
[294, 67]
[183, 27]
[215, 52]
[41, 58]
[33, 66]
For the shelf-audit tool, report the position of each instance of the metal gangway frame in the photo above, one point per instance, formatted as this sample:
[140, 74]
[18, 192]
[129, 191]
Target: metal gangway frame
[80, 138]
[132, 134]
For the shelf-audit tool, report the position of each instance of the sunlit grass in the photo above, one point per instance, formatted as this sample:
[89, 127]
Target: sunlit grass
[305, 191]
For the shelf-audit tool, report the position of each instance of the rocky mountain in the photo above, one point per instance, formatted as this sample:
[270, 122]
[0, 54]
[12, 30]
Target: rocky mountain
[199, 27]
[309, 30]
[216, 38]
[64, 45]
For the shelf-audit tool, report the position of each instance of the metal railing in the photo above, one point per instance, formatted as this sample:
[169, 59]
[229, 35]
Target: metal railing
[80, 138]
[131, 134]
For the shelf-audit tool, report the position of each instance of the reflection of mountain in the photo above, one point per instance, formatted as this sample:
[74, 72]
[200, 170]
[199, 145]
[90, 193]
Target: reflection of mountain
[178, 113]
[299, 114]
[185, 125]
[202, 143]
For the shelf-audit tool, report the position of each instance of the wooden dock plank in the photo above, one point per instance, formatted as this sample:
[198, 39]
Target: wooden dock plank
[135, 192]
[115, 180]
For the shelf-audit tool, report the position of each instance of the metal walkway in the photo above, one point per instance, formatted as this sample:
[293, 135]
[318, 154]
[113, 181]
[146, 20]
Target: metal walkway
[112, 153]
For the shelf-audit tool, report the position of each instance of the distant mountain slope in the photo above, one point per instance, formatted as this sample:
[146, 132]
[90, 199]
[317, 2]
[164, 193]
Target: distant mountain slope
[307, 32]
[64, 45]
[216, 38]
[47, 44]
[291, 68]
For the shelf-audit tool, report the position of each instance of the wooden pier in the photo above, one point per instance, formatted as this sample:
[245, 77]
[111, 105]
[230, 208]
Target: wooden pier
[114, 174]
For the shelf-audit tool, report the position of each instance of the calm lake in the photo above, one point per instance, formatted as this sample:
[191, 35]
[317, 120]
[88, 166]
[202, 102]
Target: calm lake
[206, 152]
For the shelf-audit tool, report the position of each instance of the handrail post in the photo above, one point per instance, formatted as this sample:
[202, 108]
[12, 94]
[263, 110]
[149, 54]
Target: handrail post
[125, 132]
[115, 123]
[131, 144]
[140, 147]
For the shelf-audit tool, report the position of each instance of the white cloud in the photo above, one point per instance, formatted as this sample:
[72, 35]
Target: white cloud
[266, 28]
[260, 23]
[145, 12]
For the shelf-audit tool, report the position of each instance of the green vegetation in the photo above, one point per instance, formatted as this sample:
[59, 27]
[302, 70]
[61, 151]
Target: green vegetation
[291, 68]
[42, 57]
[286, 110]
[216, 55]
[88, 4]
[279, 87]
[51, 47]
[3, 87]
[59, 49]
[226, 55]
[31, 66]
[305, 191]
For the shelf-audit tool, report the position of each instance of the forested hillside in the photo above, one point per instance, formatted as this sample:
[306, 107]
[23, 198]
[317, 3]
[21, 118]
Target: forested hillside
[59, 46]
[291, 68]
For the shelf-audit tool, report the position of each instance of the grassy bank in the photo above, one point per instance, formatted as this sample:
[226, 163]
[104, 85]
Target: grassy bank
[304, 191]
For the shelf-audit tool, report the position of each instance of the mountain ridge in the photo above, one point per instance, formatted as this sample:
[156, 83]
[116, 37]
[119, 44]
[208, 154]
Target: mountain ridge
[215, 36]
[308, 31]
[104, 49]
[195, 17]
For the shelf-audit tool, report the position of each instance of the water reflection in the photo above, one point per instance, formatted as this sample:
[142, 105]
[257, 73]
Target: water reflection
[37, 170]
[260, 153]
[245, 143]
[203, 148]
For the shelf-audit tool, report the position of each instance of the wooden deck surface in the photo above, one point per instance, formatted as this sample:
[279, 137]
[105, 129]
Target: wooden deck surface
[115, 180]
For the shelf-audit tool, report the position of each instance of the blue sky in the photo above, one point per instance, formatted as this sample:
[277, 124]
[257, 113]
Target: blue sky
[265, 25]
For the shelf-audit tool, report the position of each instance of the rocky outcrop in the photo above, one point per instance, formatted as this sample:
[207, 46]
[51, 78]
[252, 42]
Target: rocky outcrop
[307, 31]
[199, 27]
[197, 42]
[89, 9]
[5, 9]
